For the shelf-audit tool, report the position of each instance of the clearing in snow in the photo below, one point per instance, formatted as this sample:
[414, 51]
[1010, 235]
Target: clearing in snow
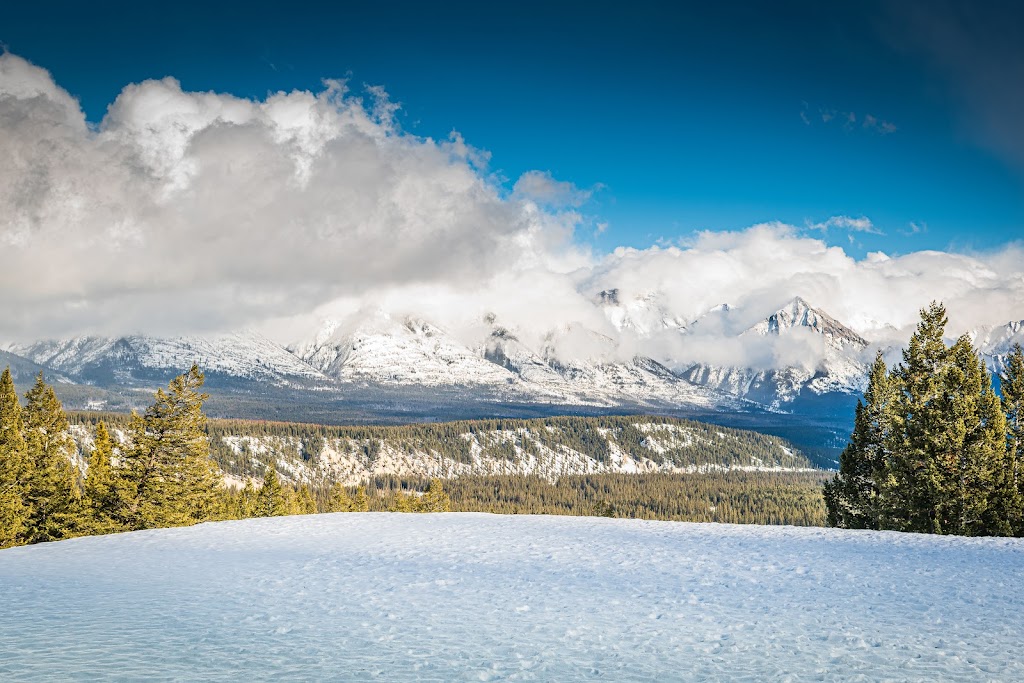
[463, 596]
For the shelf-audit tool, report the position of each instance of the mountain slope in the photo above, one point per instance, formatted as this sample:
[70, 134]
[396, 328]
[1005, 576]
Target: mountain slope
[834, 362]
[139, 360]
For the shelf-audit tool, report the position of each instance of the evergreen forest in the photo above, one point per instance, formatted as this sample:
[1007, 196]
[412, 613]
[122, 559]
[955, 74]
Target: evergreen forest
[935, 448]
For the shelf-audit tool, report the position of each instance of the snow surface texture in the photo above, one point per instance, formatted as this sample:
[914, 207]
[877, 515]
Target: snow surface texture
[477, 597]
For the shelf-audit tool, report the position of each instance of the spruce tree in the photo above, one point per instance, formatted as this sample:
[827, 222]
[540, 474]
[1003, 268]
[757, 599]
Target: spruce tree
[361, 503]
[271, 500]
[915, 471]
[1011, 387]
[246, 501]
[101, 497]
[14, 467]
[338, 500]
[970, 445]
[53, 494]
[435, 499]
[858, 496]
[168, 478]
[305, 504]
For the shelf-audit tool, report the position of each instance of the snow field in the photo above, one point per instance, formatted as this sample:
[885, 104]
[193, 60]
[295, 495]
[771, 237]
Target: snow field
[476, 597]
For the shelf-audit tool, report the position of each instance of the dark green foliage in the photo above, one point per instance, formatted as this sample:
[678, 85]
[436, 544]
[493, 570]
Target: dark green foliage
[1012, 481]
[271, 500]
[101, 499]
[734, 497]
[52, 489]
[167, 476]
[14, 513]
[929, 450]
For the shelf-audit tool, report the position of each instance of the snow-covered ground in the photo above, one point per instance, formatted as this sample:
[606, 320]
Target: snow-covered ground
[475, 597]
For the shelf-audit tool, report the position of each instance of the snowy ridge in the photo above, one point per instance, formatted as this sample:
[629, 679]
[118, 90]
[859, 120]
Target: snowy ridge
[465, 596]
[125, 360]
[800, 354]
[799, 314]
[996, 343]
[841, 368]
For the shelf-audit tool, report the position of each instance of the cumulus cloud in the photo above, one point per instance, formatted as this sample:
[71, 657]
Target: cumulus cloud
[185, 210]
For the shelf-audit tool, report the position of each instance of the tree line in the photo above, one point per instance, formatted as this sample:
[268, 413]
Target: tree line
[935, 448]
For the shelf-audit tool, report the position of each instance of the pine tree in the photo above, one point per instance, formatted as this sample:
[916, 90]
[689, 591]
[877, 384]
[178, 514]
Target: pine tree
[970, 444]
[435, 499]
[53, 494]
[403, 503]
[361, 503]
[271, 500]
[246, 501]
[914, 468]
[305, 504]
[931, 449]
[858, 496]
[100, 496]
[168, 478]
[14, 467]
[1011, 387]
[338, 500]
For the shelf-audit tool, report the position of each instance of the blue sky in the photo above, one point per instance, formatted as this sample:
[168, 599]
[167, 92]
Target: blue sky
[682, 117]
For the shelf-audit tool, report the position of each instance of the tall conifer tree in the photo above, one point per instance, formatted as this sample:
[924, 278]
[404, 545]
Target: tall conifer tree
[168, 478]
[271, 500]
[854, 499]
[53, 492]
[1012, 389]
[914, 468]
[100, 495]
[14, 469]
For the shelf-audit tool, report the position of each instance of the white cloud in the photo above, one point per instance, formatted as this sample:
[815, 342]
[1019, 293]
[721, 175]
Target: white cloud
[541, 187]
[862, 224]
[186, 210]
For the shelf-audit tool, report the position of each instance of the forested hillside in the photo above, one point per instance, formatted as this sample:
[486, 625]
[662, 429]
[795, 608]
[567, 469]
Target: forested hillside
[548, 447]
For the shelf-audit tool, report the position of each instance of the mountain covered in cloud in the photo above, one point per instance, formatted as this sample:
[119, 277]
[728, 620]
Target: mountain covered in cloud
[795, 352]
[796, 371]
[836, 363]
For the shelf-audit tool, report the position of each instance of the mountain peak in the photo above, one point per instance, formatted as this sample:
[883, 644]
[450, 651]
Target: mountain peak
[798, 313]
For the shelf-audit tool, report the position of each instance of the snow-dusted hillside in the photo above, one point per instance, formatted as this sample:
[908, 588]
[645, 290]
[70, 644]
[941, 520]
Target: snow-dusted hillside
[459, 597]
[548, 448]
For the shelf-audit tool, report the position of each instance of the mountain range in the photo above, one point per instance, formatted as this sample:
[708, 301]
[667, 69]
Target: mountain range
[795, 362]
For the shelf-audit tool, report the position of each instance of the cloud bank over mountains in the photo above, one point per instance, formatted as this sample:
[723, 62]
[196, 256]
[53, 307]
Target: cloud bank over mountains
[190, 212]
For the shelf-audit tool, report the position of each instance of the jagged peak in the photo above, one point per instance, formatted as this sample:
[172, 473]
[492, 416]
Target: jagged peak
[799, 313]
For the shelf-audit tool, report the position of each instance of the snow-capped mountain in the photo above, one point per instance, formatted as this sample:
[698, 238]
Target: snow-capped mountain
[410, 352]
[798, 314]
[643, 315]
[835, 362]
[571, 365]
[385, 350]
[140, 360]
[995, 343]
